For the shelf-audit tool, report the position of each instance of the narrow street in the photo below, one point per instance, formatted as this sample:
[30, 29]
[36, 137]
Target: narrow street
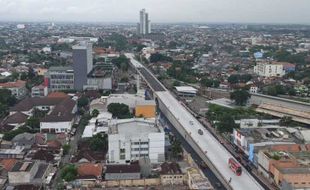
[66, 158]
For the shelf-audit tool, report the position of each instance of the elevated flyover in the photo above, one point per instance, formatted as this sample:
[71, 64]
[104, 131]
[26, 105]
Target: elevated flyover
[206, 146]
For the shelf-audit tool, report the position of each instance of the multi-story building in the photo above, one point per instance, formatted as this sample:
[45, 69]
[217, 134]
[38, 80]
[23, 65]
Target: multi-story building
[266, 69]
[59, 78]
[132, 139]
[144, 27]
[39, 91]
[17, 88]
[101, 77]
[82, 64]
[136, 103]
[286, 165]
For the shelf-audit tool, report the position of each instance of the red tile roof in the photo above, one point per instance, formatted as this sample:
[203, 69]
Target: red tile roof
[54, 144]
[17, 84]
[287, 148]
[8, 163]
[17, 117]
[89, 169]
[57, 95]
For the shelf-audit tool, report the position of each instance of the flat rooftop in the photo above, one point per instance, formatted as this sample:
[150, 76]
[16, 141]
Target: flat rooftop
[132, 127]
[224, 102]
[22, 167]
[186, 89]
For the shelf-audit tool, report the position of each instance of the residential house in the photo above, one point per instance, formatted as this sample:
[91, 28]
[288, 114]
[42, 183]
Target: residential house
[24, 139]
[16, 120]
[17, 152]
[28, 172]
[61, 110]
[17, 88]
[89, 173]
[171, 174]
[39, 91]
[122, 171]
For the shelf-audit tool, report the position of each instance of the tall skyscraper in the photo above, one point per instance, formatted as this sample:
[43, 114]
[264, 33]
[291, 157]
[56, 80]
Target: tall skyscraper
[144, 27]
[82, 64]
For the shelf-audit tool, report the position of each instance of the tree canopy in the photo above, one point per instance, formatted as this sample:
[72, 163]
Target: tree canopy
[82, 101]
[95, 113]
[122, 62]
[6, 100]
[11, 134]
[156, 57]
[69, 172]
[240, 97]
[98, 142]
[205, 81]
[275, 90]
[119, 110]
[182, 71]
[226, 124]
[233, 79]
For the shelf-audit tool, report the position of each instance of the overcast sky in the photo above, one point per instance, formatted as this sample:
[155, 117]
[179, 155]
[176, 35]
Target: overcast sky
[250, 11]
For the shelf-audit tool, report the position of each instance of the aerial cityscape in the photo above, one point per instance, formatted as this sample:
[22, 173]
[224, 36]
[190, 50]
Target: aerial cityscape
[209, 95]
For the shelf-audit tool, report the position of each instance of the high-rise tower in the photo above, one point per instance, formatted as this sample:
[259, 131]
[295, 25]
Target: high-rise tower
[144, 27]
[82, 64]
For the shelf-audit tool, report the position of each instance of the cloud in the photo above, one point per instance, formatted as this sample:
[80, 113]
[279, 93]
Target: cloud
[271, 11]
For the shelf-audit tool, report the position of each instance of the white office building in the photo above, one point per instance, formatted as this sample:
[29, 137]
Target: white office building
[265, 69]
[144, 27]
[132, 139]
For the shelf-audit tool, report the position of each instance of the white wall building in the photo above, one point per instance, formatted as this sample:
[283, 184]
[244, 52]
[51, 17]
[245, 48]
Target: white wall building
[144, 27]
[269, 69]
[100, 124]
[131, 100]
[39, 91]
[253, 89]
[131, 139]
[56, 127]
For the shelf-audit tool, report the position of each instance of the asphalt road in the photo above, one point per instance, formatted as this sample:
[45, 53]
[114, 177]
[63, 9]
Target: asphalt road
[238, 155]
[156, 86]
[215, 182]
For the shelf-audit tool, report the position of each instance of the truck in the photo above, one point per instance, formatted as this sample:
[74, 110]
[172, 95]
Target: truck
[235, 166]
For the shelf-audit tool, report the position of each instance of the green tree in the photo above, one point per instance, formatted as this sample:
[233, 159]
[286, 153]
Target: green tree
[33, 122]
[226, 124]
[98, 142]
[69, 172]
[291, 92]
[122, 62]
[272, 91]
[236, 78]
[120, 111]
[176, 148]
[286, 121]
[140, 47]
[206, 82]
[11, 134]
[95, 113]
[240, 97]
[82, 101]
[176, 83]
[66, 148]
[156, 57]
